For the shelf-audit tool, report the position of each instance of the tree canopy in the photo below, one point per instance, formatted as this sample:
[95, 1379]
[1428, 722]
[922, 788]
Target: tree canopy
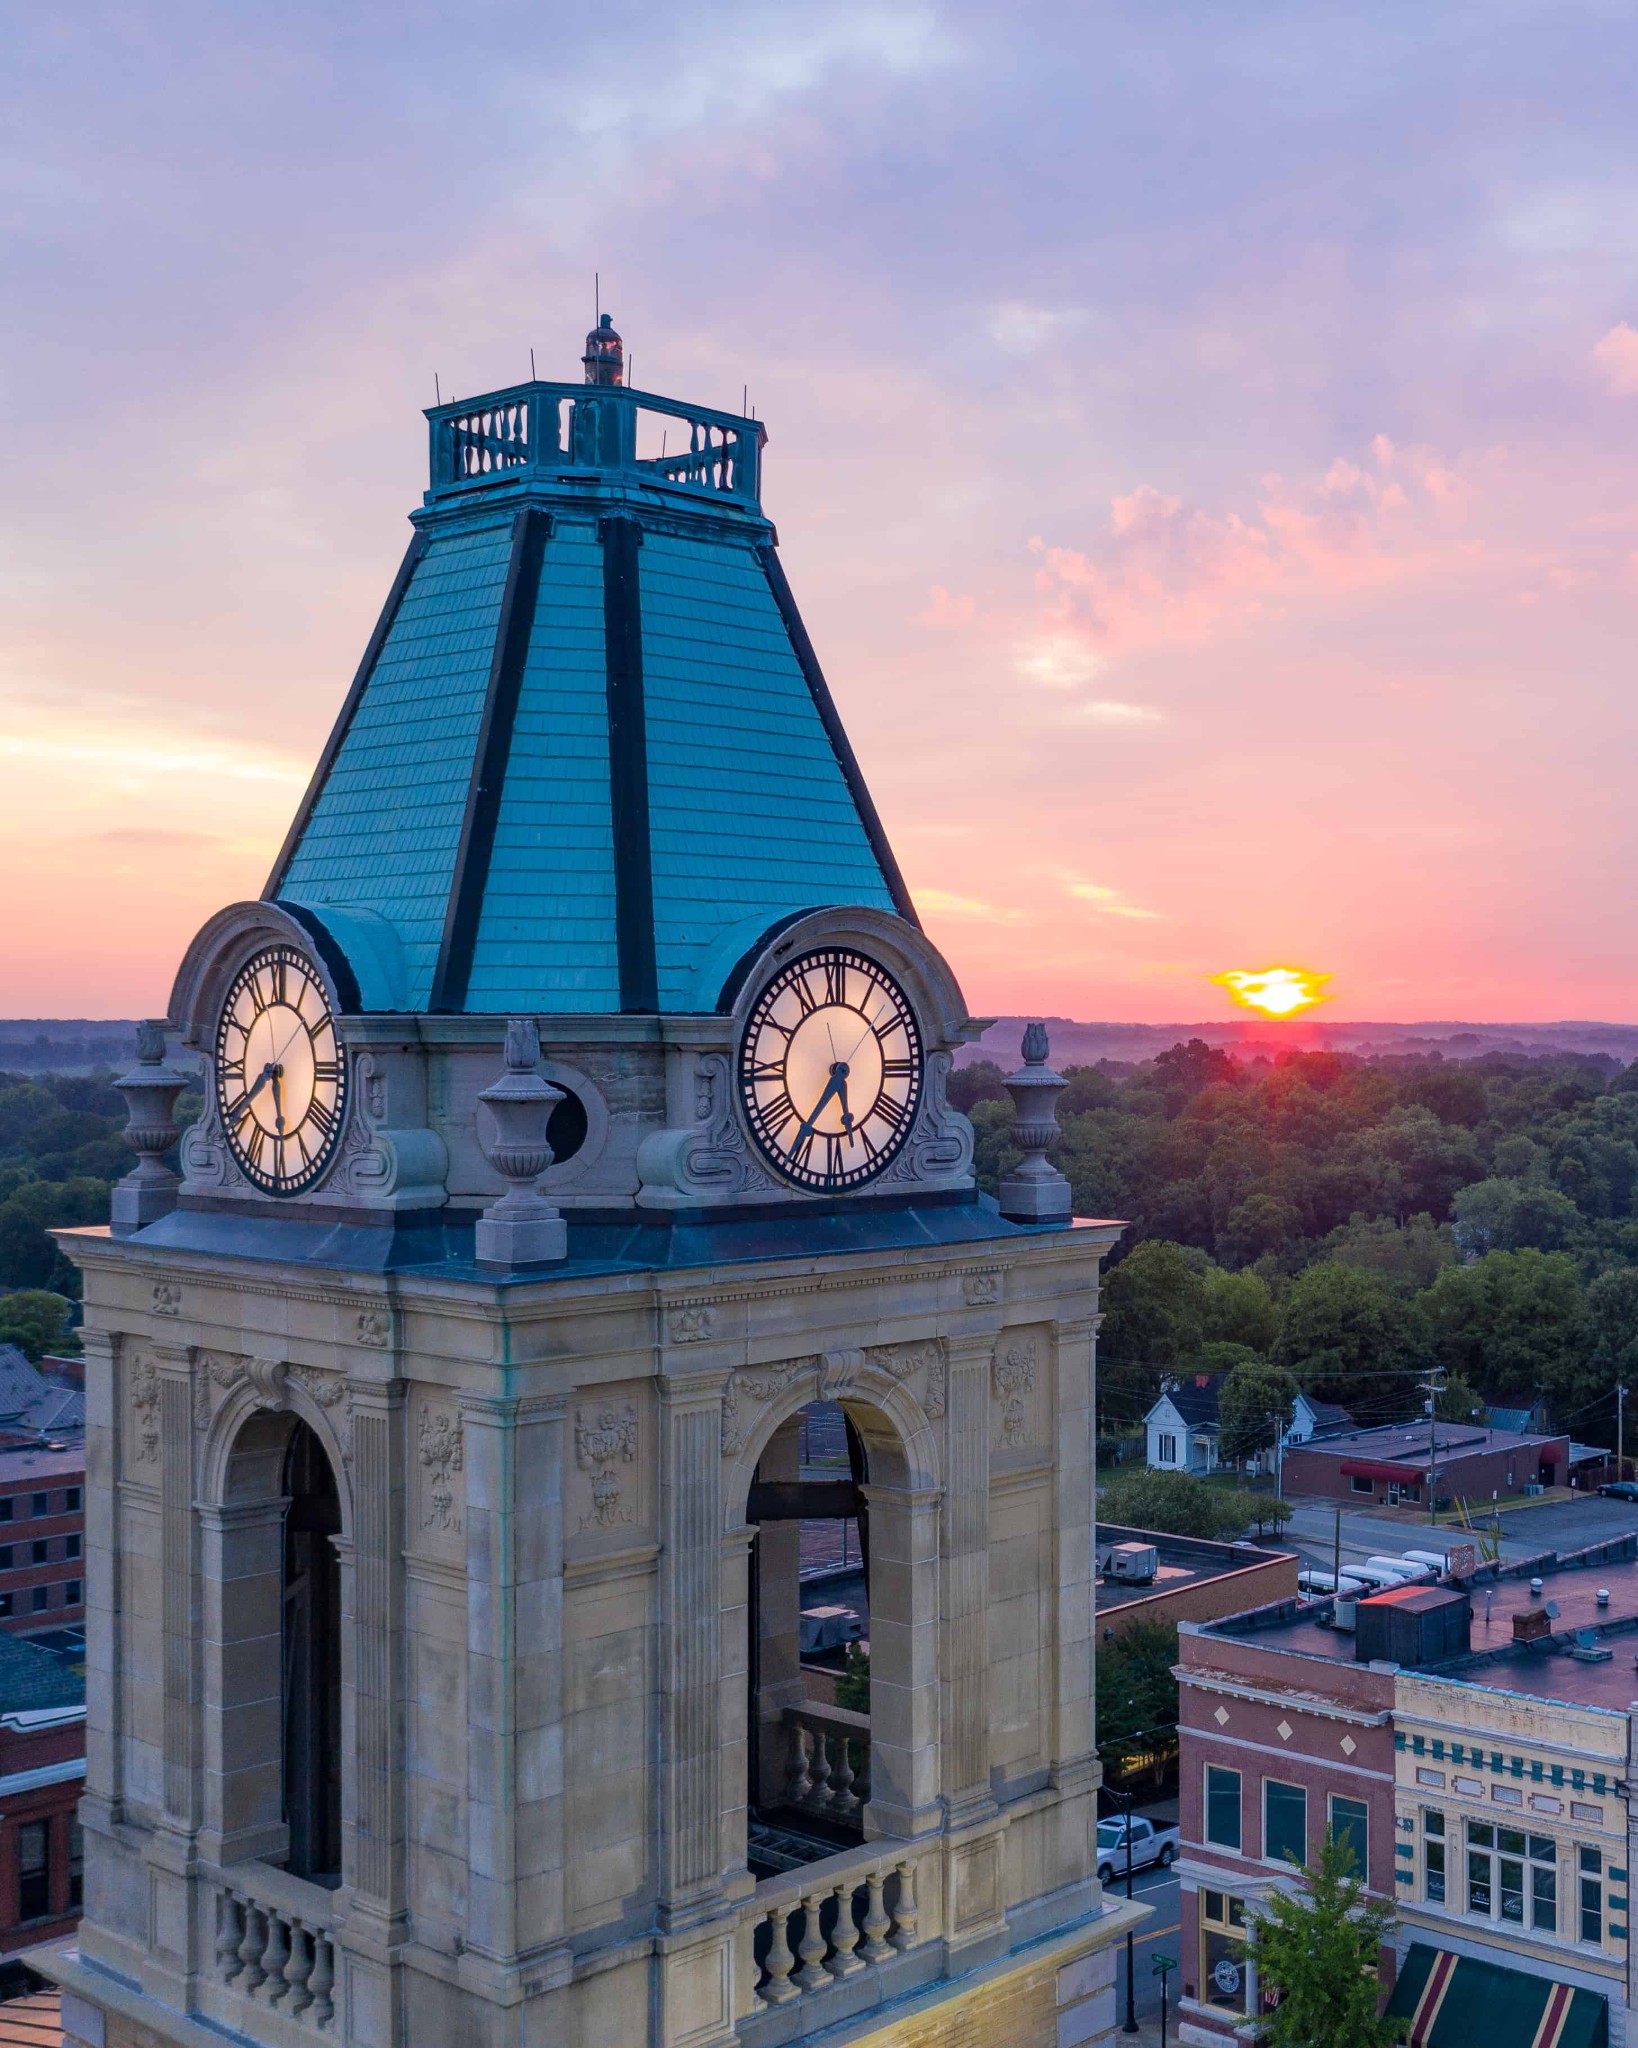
[1317, 1950]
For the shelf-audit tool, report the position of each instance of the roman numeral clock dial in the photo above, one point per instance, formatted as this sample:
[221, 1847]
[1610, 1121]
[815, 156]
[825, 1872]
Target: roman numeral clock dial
[281, 1078]
[830, 1070]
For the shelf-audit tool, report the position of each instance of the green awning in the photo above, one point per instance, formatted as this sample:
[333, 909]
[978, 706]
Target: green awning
[1451, 2001]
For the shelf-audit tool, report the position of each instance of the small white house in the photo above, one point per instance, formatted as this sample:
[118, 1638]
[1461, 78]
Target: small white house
[1312, 1418]
[1182, 1426]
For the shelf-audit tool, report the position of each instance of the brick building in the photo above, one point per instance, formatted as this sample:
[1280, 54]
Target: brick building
[1193, 1580]
[1283, 1737]
[42, 1536]
[42, 1772]
[1402, 1464]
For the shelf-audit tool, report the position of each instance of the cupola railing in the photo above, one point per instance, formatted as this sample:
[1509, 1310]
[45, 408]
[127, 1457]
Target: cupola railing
[567, 430]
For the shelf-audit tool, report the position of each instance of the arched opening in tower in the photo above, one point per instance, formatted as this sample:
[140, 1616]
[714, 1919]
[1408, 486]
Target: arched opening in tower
[808, 1666]
[312, 1661]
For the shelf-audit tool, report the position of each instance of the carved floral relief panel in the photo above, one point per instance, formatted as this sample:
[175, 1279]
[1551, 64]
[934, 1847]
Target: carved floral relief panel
[1021, 1394]
[437, 1456]
[610, 1451]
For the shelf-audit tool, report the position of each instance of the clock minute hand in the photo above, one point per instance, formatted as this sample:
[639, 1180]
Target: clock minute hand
[836, 1085]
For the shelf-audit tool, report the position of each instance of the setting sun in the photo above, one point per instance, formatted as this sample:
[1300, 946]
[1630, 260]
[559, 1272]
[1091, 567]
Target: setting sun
[1276, 991]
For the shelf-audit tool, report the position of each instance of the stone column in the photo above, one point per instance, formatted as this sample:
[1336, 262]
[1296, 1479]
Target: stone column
[690, 1646]
[169, 1969]
[372, 1716]
[965, 1582]
[242, 1680]
[904, 1674]
[513, 1462]
[102, 1803]
[1071, 1751]
[777, 1623]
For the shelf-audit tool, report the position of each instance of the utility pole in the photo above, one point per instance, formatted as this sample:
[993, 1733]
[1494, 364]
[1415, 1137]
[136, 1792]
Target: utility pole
[1432, 1386]
[1336, 1559]
[1620, 1432]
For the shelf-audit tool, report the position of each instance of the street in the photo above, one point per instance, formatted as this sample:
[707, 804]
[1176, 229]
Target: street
[1159, 1890]
[1386, 1532]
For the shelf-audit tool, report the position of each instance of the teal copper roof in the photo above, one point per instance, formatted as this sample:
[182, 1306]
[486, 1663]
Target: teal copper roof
[589, 758]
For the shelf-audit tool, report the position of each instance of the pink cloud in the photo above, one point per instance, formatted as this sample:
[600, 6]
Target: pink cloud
[1617, 356]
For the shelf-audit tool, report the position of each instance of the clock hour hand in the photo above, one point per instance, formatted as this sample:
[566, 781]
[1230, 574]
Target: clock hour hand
[278, 1102]
[836, 1085]
[269, 1073]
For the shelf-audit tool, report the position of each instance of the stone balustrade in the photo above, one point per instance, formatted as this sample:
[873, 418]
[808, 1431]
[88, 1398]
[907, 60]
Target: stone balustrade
[275, 1943]
[827, 1766]
[830, 1921]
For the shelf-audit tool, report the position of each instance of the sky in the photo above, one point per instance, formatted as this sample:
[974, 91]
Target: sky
[1202, 440]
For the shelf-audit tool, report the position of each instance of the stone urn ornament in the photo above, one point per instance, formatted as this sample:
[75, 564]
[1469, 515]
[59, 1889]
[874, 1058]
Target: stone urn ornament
[523, 1228]
[150, 1090]
[1035, 1191]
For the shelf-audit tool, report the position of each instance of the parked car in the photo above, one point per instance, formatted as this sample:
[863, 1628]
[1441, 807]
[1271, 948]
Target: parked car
[1619, 1489]
[1151, 1846]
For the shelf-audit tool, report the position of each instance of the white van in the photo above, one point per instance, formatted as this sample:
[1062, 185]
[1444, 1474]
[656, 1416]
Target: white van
[1377, 1580]
[1436, 1560]
[1405, 1569]
[1318, 1582]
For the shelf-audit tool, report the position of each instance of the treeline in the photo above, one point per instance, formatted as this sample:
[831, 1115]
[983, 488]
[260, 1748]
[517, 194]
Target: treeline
[1354, 1221]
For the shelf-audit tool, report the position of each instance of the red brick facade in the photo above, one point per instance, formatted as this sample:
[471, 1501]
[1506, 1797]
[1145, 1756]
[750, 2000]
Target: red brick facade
[1310, 1726]
[39, 1837]
[1506, 1469]
[42, 1539]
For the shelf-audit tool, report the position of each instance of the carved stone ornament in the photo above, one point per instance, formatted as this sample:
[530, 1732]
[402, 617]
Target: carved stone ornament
[379, 1164]
[442, 1450]
[712, 1157]
[604, 1438]
[940, 1152]
[690, 1322]
[523, 1228]
[373, 1327]
[167, 1298]
[905, 1361]
[150, 1090]
[1035, 1191]
[979, 1290]
[1013, 1375]
[145, 1411]
[216, 1377]
[749, 1390]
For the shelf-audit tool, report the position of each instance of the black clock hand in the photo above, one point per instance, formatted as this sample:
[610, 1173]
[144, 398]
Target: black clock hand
[836, 1085]
[260, 1082]
[841, 1097]
[278, 1102]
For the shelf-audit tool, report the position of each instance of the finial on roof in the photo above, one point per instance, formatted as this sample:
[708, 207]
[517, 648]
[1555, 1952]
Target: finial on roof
[605, 357]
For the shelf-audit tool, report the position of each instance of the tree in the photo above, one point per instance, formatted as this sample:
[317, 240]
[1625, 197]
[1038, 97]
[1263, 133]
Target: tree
[1456, 1401]
[1612, 1310]
[1137, 1694]
[1263, 1222]
[1337, 1326]
[1515, 1324]
[1173, 1504]
[1408, 1256]
[853, 1681]
[1318, 1949]
[1512, 1215]
[34, 1320]
[1254, 1405]
[1154, 1305]
[1239, 1308]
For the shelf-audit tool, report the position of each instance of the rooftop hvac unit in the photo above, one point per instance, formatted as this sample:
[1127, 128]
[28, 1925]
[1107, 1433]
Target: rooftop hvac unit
[1342, 1614]
[1136, 1562]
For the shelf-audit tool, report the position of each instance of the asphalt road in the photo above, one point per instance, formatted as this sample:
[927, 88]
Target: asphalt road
[1159, 1890]
[1556, 1525]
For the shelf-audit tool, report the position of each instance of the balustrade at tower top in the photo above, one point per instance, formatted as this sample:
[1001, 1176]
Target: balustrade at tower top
[599, 437]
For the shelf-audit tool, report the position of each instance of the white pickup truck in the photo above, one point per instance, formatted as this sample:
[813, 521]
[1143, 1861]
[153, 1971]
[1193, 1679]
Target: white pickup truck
[1150, 1846]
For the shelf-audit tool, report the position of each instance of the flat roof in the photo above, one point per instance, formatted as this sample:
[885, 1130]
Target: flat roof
[1181, 1561]
[1545, 1669]
[21, 1464]
[1406, 1443]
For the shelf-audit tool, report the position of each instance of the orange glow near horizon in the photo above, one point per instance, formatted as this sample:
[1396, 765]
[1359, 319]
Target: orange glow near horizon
[1275, 991]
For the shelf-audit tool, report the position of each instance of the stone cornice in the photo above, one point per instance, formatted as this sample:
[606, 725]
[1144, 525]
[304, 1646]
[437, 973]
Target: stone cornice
[1221, 1684]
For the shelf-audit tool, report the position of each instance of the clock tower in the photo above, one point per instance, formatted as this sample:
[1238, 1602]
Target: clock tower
[576, 1255]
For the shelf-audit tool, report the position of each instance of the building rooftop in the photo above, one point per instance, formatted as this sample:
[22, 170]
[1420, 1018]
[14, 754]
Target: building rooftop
[1587, 1657]
[1181, 1561]
[1194, 1396]
[1406, 1443]
[32, 1678]
[33, 1464]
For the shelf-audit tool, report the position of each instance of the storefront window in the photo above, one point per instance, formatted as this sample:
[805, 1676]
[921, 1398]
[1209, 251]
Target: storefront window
[1350, 1823]
[1592, 1895]
[34, 1870]
[1512, 1876]
[1285, 1822]
[1222, 1807]
[1223, 1951]
[1433, 1856]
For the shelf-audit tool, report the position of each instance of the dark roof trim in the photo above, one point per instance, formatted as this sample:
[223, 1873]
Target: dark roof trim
[530, 531]
[823, 703]
[628, 765]
[329, 951]
[349, 708]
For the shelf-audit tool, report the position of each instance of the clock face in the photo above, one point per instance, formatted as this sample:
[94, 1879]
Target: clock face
[281, 1079]
[830, 1069]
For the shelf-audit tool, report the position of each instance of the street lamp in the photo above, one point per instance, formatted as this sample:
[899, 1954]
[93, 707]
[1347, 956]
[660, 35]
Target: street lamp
[1126, 1801]
[1162, 1967]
